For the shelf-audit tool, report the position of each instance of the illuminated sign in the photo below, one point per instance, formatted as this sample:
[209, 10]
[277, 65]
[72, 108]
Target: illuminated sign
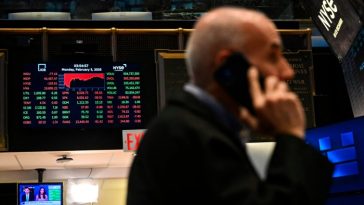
[132, 139]
[81, 95]
[337, 21]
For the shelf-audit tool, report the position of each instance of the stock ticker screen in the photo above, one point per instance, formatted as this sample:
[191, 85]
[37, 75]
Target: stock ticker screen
[81, 95]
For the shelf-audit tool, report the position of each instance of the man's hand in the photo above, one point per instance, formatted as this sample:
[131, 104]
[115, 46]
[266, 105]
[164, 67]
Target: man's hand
[278, 110]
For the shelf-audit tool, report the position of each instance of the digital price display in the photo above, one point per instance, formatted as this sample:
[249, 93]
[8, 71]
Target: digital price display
[81, 95]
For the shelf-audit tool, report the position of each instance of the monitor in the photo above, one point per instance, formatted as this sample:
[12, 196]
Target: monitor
[40, 193]
[343, 144]
[66, 106]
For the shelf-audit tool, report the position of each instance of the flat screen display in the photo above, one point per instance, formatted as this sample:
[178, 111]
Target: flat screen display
[40, 194]
[81, 95]
[66, 106]
[3, 106]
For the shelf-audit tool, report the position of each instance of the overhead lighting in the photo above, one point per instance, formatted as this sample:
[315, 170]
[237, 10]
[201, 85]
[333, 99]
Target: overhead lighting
[82, 191]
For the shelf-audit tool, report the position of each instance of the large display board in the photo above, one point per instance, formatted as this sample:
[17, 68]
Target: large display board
[40, 193]
[81, 95]
[337, 21]
[88, 104]
[303, 82]
[171, 72]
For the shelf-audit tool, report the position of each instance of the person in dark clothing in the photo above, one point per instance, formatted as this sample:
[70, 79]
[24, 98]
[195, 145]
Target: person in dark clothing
[28, 195]
[193, 152]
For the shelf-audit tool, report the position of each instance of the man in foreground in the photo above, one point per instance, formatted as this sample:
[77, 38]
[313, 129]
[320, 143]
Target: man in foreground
[192, 153]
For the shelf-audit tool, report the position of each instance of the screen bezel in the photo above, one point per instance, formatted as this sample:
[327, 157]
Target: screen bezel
[34, 139]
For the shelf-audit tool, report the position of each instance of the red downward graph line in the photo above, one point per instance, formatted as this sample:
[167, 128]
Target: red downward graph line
[68, 77]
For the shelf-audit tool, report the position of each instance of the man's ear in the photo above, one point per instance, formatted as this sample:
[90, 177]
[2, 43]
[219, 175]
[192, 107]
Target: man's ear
[221, 56]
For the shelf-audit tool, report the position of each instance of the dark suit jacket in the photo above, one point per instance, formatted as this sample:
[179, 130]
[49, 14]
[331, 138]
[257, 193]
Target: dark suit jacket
[189, 157]
[31, 197]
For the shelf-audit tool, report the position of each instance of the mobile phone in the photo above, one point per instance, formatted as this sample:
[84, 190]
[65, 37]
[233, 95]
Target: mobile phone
[232, 76]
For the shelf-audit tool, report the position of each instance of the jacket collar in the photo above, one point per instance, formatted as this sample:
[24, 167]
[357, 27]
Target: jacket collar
[199, 108]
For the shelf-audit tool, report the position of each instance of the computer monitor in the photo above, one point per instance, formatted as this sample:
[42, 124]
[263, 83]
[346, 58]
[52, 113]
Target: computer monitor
[66, 106]
[40, 193]
[343, 144]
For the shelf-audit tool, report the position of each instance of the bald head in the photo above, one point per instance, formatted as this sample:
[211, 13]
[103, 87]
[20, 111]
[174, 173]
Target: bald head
[229, 29]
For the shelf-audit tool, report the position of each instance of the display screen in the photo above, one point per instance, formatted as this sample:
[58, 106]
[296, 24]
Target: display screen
[81, 95]
[343, 144]
[40, 194]
[82, 106]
